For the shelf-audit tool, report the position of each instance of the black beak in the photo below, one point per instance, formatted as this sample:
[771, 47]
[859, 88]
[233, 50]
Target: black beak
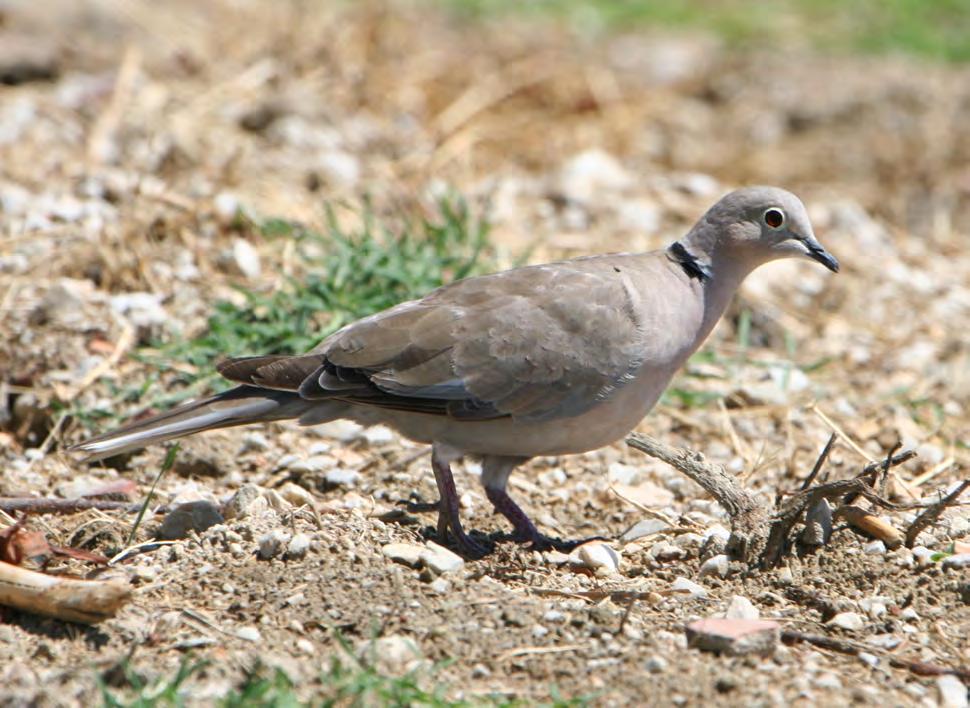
[816, 252]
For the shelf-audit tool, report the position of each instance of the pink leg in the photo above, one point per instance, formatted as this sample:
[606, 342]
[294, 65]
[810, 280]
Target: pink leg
[448, 517]
[495, 477]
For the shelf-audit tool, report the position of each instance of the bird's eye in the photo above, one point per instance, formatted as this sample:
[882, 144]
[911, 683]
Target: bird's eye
[774, 218]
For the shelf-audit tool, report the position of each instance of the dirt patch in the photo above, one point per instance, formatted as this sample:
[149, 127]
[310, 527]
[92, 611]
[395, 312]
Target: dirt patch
[123, 171]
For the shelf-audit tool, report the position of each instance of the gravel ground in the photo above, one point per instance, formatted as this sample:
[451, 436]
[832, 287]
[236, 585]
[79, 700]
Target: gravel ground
[132, 137]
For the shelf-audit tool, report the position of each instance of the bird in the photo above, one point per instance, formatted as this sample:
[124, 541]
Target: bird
[540, 360]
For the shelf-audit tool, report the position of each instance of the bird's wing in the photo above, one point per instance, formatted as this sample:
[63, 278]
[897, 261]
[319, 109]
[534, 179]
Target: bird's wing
[533, 343]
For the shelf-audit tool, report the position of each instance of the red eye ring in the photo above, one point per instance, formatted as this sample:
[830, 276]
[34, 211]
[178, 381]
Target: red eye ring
[774, 217]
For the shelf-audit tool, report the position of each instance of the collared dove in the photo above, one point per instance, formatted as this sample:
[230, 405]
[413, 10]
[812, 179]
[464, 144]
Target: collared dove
[541, 360]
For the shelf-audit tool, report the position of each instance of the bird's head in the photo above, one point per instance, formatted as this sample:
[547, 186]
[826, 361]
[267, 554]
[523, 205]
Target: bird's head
[757, 225]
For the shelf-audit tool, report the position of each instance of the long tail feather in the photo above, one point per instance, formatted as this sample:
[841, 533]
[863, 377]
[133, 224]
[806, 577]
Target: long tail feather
[239, 406]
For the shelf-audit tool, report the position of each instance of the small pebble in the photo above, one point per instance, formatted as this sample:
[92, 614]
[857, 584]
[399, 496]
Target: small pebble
[961, 560]
[683, 585]
[250, 634]
[298, 546]
[875, 548]
[655, 665]
[598, 557]
[742, 608]
[718, 565]
[440, 560]
[271, 543]
[953, 692]
[848, 620]
[733, 636]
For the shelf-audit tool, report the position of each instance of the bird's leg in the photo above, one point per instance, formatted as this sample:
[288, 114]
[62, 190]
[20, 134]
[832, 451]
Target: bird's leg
[495, 478]
[448, 517]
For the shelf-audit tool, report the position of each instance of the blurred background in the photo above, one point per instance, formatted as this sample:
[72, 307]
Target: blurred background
[182, 181]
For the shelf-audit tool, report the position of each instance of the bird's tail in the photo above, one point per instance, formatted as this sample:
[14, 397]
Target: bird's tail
[239, 406]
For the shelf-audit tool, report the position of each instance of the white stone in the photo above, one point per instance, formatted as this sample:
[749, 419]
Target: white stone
[848, 620]
[298, 546]
[644, 528]
[718, 565]
[394, 654]
[440, 560]
[741, 607]
[246, 259]
[598, 557]
[271, 543]
[960, 560]
[407, 553]
[923, 556]
[341, 477]
[683, 585]
[953, 692]
[875, 548]
[250, 634]
[655, 665]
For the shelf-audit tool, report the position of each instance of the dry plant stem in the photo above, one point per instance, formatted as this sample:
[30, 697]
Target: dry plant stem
[823, 456]
[843, 646]
[756, 537]
[35, 505]
[931, 513]
[86, 601]
[871, 524]
[749, 522]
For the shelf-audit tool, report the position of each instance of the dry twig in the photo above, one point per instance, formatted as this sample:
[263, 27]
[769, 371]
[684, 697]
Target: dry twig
[86, 601]
[932, 513]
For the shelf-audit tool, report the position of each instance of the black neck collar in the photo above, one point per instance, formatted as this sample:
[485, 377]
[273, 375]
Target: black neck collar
[693, 267]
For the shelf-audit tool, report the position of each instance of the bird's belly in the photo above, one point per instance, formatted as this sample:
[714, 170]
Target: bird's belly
[605, 423]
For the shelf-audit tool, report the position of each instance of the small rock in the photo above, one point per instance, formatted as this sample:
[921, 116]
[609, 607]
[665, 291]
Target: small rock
[663, 551]
[296, 495]
[818, 524]
[227, 207]
[828, 680]
[909, 615]
[254, 441]
[852, 621]
[246, 259]
[440, 586]
[953, 693]
[960, 560]
[642, 529]
[598, 557]
[339, 168]
[554, 617]
[874, 548]
[250, 634]
[143, 310]
[407, 553]
[191, 516]
[271, 543]
[247, 501]
[868, 659]
[683, 585]
[785, 576]
[440, 560]
[718, 565]
[340, 477]
[742, 608]
[298, 546]
[394, 655]
[733, 636]
[923, 556]
[538, 631]
[618, 473]
[655, 665]
[305, 646]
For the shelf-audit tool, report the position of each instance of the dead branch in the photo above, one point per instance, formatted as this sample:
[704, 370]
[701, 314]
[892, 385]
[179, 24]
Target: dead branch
[756, 536]
[72, 599]
[45, 505]
[931, 513]
[749, 530]
[843, 646]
